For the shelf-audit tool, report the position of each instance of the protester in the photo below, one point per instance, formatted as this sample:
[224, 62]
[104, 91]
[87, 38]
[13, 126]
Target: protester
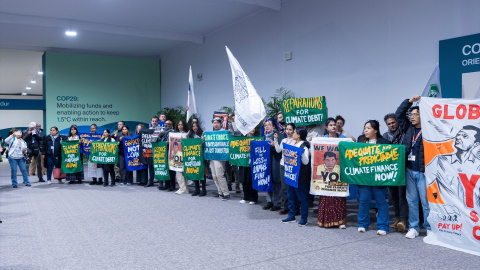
[250, 195]
[126, 177]
[93, 169]
[415, 165]
[17, 149]
[371, 134]
[278, 141]
[142, 174]
[33, 139]
[169, 184]
[397, 193]
[232, 170]
[332, 211]
[181, 127]
[120, 125]
[274, 197]
[108, 169]
[196, 132]
[280, 123]
[340, 122]
[52, 152]
[300, 193]
[151, 172]
[218, 168]
[74, 178]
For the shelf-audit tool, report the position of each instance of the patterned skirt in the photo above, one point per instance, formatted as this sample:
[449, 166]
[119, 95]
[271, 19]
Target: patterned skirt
[74, 176]
[332, 211]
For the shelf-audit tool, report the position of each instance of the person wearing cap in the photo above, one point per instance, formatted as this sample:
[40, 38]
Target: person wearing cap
[17, 148]
[218, 168]
[34, 144]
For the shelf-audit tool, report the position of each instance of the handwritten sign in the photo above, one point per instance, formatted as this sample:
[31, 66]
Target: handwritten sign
[372, 164]
[104, 152]
[86, 140]
[160, 161]
[305, 111]
[131, 147]
[193, 159]
[239, 150]
[71, 162]
[146, 154]
[292, 162]
[216, 145]
[261, 166]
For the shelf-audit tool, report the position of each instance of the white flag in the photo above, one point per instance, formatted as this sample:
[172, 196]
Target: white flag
[433, 89]
[249, 108]
[191, 105]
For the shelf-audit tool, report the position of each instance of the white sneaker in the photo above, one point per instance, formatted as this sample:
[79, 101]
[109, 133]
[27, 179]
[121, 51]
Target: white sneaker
[429, 232]
[190, 183]
[412, 233]
[381, 232]
[360, 229]
[242, 201]
[251, 203]
[49, 182]
[343, 226]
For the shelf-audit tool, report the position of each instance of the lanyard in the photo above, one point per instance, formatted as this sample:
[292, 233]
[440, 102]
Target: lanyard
[414, 139]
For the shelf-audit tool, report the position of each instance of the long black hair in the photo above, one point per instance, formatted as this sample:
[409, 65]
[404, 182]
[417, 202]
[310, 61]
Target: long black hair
[70, 130]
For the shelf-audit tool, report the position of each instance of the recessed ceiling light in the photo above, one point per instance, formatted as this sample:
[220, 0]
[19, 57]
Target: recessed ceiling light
[70, 33]
[40, 72]
[33, 81]
[28, 88]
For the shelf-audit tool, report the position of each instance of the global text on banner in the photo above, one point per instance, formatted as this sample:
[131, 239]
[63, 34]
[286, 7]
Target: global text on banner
[261, 167]
[71, 161]
[249, 108]
[372, 164]
[175, 157]
[86, 141]
[216, 145]
[146, 154]
[160, 161]
[131, 147]
[326, 168]
[292, 161]
[239, 150]
[193, 159]
[104, 152]
[305, 111]
[451, 139]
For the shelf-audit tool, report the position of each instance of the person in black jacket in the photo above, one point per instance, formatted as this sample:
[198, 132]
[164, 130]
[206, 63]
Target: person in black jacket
[34, 143]
[415, 165]
[52, 152]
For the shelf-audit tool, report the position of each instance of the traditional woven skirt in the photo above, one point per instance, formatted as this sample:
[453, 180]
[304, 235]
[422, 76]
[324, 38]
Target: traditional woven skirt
[74, 176]
[332, 211]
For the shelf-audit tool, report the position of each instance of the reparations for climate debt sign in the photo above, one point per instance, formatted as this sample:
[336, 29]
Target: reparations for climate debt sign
[71, 162]
[372, 164]
[305, 111]
[104, 152]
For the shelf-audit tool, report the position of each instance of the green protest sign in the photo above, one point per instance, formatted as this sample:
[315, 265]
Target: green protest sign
[372, 164]
[71, 162]
[193, 159]
[160, 161]
[104, 152]
[239, 150]
[305, 111]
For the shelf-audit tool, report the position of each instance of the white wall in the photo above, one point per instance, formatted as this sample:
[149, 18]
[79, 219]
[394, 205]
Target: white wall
[364, 56]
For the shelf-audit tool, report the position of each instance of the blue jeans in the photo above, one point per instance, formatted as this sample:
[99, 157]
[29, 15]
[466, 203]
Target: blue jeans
[151, 173]
[300, 194]
[379, 194]
[417, 189]
[52, 162]
[13, 166]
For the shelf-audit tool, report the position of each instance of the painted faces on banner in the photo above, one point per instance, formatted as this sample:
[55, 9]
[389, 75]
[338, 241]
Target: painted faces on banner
[305, 111]
[175, 157]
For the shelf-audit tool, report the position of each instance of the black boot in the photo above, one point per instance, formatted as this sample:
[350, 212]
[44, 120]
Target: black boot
[197, 189]
[204, 188]
[100, 182]
[105, 183]
[94, 182]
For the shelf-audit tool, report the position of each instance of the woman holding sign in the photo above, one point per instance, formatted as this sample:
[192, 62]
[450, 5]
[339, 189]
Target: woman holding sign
[72, 177]
[332, 211]
[274, 197]
[289, 130]
[126, 177]
[196, 132]
[52, 152]
[181, 127]
[108, 169]
[371, 134]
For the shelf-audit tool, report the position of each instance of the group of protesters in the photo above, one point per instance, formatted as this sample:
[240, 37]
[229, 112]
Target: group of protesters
[404, 127]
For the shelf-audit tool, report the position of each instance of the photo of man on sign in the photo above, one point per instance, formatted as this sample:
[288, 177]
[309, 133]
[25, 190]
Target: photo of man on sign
[329, 166]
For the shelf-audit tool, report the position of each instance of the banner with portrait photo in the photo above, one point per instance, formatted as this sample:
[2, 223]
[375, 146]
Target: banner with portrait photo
[451, 141]
[193, 159]
[326, 179]
[239, 150]
[71, 161]
[175, 157]
[292, 159]
[305, 111]
[261, 167]
[216, 145]
[145, 149]
[131, 147]
[160, 161]
[86, 141]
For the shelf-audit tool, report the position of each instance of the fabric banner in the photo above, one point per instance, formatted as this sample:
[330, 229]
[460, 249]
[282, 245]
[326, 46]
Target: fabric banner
[131, 148]
[193, 159]
[239, 150]
[191, 104]
[451, 141]
[86, 141]
[216, 145]
[71, 162]
[175, 157]
[326, 168]
[292, 161]
[146, 155]
[372, 164]
[249, 108]
[305, 111]
[104, 152]
[160, 161]
[261, 167]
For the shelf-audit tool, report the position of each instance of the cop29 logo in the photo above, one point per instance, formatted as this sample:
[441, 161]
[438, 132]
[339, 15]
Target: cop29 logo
[471, 49]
